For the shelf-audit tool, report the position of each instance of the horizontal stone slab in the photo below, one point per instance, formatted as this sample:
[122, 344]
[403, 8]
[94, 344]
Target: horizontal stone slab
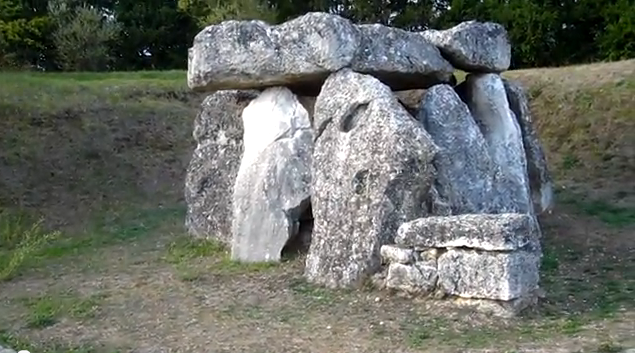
[497, 276]
[302, 52]
[492, 232]
[474, 46]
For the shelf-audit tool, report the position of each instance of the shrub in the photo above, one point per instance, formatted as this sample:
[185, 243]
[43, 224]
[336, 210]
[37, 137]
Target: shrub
[19, 240]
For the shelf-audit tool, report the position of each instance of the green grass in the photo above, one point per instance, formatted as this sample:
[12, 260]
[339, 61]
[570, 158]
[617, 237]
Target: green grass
[20, 240]
[184, 251]
[46, 310]
[19, 343]
[607, 212]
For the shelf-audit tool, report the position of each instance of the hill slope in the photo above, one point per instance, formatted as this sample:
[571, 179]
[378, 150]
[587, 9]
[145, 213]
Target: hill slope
[102, 157]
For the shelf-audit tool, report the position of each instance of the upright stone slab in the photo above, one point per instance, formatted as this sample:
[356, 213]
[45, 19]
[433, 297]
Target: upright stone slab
[372, 171]
[212, 171]
[487, 100]
[474, 46]
[540, 179]
[465, 170]
[273, 183]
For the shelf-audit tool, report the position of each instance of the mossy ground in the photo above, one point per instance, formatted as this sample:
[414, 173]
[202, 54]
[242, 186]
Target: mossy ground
[100, 158]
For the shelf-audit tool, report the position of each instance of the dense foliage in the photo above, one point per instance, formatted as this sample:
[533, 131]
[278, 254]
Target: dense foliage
[155, 34]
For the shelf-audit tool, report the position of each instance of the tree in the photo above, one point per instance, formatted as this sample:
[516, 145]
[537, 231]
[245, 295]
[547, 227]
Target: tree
[23, 35]
[617, 40]
[208, 12]
[155, 34]
[82, 36]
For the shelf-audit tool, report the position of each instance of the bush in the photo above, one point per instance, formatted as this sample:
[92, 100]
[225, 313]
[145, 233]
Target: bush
[19, 240]
[82, 36]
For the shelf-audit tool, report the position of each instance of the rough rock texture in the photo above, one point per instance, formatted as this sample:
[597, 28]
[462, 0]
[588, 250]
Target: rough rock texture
[400, 59]
[492, 232]
[273, 183]
[474, 46]
[212, 171]
[498, 308]
[465, 170]
[488, 275]
[487, 100]
[540, 179]
[302, 52]
[394, 254]
[372, 171]
[418, 278]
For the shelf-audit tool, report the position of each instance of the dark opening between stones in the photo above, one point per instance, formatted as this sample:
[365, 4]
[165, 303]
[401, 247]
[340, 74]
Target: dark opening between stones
[298, 244]
[350, 120]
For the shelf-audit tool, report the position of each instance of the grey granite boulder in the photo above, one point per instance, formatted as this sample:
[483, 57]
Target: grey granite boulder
[209, 183]
[489, 275]
[400, 59]
[491, 232]
[486, 98]
[465, 170]
[302, 52]
[272, 188]
[372, 171]
[540, 179]
[474, 46]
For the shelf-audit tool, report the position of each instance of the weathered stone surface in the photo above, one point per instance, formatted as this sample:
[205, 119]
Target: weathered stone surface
[273, 183]
[465, 170]
[492, 232]
[498, 276]
[504, 309]
[209, 183]
[487, 100]
[474, 46]
[302, 52]
[253, 54]
[400, 59]
[540, 180]
[372, 171]
[394, 254]
[418, 278]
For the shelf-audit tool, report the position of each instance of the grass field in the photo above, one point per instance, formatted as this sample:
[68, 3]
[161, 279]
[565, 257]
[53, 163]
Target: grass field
[93, 255]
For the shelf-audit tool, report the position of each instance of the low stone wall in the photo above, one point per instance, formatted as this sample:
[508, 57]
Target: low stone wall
[489, 261]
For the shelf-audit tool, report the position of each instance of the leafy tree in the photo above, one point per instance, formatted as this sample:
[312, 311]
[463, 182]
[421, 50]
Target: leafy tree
[208, 12]
[617, 41]
[155, 34]
[82, 36]
[23, 35]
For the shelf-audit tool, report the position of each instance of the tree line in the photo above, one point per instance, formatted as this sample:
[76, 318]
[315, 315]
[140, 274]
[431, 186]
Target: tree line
[100, 35]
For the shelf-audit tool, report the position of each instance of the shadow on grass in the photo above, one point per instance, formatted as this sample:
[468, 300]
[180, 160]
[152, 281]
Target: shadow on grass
[585, 278]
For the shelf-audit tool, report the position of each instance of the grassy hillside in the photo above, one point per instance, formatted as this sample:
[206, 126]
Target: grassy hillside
[101, 158]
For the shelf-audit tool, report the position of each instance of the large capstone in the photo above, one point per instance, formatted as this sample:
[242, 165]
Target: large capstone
[209, 183]
[272, 188]
[474, 46]
[302, 52]
[372, 171]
